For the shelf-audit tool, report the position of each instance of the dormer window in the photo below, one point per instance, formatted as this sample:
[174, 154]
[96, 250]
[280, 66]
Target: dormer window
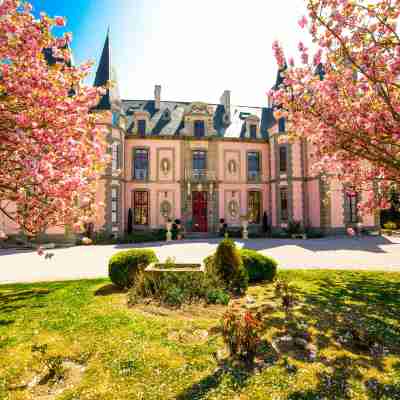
[141, 124]
[199, 129]
[253, 131]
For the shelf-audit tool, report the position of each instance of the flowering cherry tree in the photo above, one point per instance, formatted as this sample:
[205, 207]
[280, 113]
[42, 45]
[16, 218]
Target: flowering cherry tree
[346, 99]
[51, 151]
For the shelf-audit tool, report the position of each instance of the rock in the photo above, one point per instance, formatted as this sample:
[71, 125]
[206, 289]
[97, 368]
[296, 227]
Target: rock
[286, 338]
[250, 300]
[312, 351]
[301, 342]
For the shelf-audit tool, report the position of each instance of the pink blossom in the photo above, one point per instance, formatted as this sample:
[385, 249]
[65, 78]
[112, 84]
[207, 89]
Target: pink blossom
[302, 22]
[60, 21]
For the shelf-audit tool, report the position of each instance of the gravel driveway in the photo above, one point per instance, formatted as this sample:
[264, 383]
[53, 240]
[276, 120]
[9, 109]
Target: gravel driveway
[369, 253]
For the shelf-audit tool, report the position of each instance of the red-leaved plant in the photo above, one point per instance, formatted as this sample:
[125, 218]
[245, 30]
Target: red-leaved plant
[241, 333]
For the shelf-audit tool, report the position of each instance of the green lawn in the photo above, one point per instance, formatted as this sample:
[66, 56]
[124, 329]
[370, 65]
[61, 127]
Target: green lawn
[150, 353]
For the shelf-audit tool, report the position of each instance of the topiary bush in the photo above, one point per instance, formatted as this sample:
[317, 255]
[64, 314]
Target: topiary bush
[124, 265]
[228, 265]
[259, 267]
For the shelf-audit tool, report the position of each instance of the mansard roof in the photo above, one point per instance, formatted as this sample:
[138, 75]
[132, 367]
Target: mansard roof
[169, 119]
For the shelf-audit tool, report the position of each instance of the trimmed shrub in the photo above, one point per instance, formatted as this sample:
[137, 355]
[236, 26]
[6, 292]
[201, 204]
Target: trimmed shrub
[390, 225]
[259, 267]
[228, 265]
[218, 296]
[124, 265]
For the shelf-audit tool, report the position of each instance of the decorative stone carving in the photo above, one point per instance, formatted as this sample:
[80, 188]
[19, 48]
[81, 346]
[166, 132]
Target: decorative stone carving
[232, 167]
[233, 208]
[165, 209]
[165, 166]
[199, 108]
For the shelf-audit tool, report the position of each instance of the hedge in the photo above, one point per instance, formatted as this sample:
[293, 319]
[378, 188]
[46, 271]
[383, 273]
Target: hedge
[124, 265]
[259, 267]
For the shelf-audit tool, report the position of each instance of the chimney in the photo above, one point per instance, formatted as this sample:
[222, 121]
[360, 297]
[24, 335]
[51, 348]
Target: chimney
[225, 100]
[157, 96]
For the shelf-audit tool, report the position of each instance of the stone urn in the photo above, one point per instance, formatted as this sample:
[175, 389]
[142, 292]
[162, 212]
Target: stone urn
[245, 224]
[168, 226]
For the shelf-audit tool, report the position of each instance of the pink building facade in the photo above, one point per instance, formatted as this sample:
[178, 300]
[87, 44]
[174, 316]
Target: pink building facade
[200, 163]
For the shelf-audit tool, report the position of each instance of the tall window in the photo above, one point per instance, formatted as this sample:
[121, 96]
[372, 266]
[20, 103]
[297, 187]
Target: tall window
[140, 207]
[352, 203]
[281, 125]
[253, 131]
[114, 205]
[141, 127]
[141, 164]
[115, 118]
[199, 161]
[284, 204]
[282, 159]
[199, 129]
[253, 165]
[254, 207]
[115, 156]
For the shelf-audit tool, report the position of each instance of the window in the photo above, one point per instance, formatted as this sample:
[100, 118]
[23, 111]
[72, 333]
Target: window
[281, 125]
[141, 127]
[284, 204]
[141, 164]
[199, 160]
[115, 118]
[283, 159]
[199, 130]
[253, 131]
[253, 165]
[114, 205]
[254, 207]
[352, 203]
[115, 156]
[141, 207]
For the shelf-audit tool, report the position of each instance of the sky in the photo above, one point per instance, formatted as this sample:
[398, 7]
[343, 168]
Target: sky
[194, 49]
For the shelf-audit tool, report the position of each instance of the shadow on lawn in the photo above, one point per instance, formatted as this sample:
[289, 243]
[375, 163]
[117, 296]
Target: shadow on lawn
[200, 389]
[13, 300]
[108, 289]
[352, 300]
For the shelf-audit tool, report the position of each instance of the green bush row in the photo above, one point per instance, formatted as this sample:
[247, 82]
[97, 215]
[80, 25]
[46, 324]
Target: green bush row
[229, 270]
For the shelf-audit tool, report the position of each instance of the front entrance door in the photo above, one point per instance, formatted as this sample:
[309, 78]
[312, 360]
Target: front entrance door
[199, 211]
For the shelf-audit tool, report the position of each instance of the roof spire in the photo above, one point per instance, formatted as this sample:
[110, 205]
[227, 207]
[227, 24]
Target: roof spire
[105, 74]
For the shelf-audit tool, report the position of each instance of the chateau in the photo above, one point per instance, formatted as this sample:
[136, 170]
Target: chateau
[201, 162]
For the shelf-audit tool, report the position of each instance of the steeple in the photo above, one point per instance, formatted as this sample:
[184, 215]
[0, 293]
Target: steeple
[105, 75]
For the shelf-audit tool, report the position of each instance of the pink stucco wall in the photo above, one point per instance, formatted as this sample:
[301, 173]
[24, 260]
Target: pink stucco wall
[296, 159]
[337, 211]
[314, 208]
[297, 194]
[235, 186]
[160, 186]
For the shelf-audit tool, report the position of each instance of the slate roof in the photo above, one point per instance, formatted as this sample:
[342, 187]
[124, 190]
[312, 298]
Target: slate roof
[106, 74]
[169, 119]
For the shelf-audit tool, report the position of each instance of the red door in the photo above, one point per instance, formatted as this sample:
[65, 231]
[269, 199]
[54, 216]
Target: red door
[199, 211]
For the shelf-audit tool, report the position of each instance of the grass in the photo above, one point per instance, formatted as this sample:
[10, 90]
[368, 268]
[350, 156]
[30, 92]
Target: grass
[132, 354]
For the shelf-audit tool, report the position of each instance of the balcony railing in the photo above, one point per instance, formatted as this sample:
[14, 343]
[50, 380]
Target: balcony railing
[200, 175]
[254, 176]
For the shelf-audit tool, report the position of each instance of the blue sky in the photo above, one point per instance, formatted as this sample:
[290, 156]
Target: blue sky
[194, 49]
